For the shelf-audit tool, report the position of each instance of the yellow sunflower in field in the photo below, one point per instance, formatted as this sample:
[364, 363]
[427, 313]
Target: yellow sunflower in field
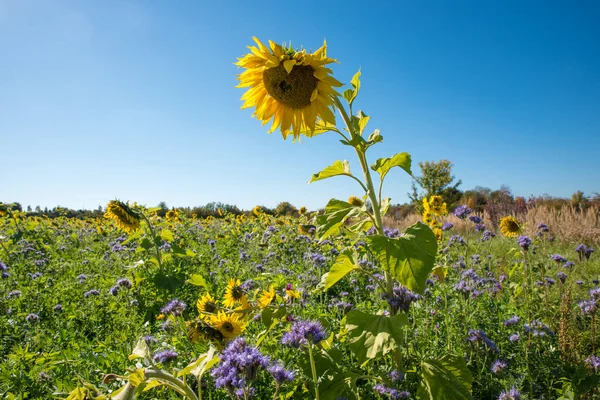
[124, 216]
[355, 201]
[3, 210]
[293, 88]
[509, 226]
[207, 306]
[439, 234]
[267, 297]
[230, 325]
[234, 293]
[199, 329]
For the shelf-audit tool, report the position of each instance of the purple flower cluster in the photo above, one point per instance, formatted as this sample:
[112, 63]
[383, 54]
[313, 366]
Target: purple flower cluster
[584, 251]
[487, 235]
[239, 366]
[588, 307]
[92, 292]
[512, 321]
[475, 219]
[304, 332]
[175, 307]
[401, 299]
[164, 356]
[479, 336]
[391, 392]
[562, 277]
[512, 394]
[474, 285]
[31, 318]
[524, 242]
[538, 329]
[447, 226]
[456, 239]
[280, 374]
[557, 258]
[498, 366]
[542, 228]
[462, 211]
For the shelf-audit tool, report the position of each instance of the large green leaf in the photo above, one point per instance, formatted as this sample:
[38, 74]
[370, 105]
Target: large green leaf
[383, 165]
[333, 382]
[371, 335]
[336, 213]
[202, 364]
[336, 169]
[445, 379]
[409, 258]
[344, 264]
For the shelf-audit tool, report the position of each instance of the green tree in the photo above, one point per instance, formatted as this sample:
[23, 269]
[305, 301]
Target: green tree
[285, 208]
[436, 179]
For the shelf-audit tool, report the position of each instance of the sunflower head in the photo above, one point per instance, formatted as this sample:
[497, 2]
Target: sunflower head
[293, 88]
[123, 215]
[207, 306]
[439, 234]
[199, 329]
[172, 215]
[267, 297]
[426, 206]
[355, 201]
[234, 293]
[428, 217]
[302, 210]
[510, 227]
[230, 325]
[3, 209]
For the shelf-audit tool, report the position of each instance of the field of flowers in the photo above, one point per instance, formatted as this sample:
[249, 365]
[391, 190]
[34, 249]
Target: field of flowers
[326, 305]
[76, 296]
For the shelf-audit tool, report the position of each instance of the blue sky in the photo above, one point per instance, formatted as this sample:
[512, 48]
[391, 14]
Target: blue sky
[135, 99]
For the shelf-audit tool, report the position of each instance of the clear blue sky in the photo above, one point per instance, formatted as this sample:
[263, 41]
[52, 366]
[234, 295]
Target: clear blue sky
[135, 99]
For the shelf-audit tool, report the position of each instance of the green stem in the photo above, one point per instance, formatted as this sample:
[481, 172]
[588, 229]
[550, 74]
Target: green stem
[314, 371]
[154, 237]
[161, 375]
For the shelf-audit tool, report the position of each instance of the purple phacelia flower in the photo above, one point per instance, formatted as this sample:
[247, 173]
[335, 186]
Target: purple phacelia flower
[498, 367]
[175, 307]
[462, 211]
[524, 242]
[304, 332]
[164, 356]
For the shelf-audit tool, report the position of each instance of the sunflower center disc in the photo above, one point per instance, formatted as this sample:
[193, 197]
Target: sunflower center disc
[228, 327]
[294, 89]
[237, 292]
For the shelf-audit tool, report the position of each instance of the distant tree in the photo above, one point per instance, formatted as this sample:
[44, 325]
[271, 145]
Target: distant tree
[163, 209]
[578, 200]
[29, 209]
[436, 179]
[285, 208]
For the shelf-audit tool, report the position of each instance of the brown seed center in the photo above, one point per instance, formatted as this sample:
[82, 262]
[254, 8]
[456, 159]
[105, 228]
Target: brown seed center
[228, 327]
[293, 89]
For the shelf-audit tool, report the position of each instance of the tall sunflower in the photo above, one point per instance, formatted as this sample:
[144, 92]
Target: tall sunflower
[124, 216]
[510, 226]
[293, 88]
[230, 325]
[234, 293]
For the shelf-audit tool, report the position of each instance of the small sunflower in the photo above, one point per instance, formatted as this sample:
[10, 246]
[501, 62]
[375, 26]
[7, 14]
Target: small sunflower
[426, 206]
[355, 201]
[206, 306]
[267, 297]
[3, 209]
[257, 211]
[428, 217]
[302, 210]
[234, 293]
[172, 215]
[305, 229]
[124, 216]
[293, 88]
[230, 325]
[199, 329]
[510, 227]
[439, 234]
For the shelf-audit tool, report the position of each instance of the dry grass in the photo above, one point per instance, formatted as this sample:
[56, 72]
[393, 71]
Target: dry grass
[567, 224]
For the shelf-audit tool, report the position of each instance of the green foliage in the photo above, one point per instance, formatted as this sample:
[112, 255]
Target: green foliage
[445, 379]
[436, 179]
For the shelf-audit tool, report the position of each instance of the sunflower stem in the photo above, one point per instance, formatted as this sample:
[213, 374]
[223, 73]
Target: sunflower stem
[154, 237]
[314, 371]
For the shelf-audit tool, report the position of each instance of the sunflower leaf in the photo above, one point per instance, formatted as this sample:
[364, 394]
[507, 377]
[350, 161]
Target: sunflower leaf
[446, 378]
[355, 82]
[383, 165]
[336, 169]
[371, 335]
[336, 213]
[409, 258]
[343, 265]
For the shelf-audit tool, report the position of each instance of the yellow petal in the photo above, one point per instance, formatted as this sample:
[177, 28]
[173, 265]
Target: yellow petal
[289, 65]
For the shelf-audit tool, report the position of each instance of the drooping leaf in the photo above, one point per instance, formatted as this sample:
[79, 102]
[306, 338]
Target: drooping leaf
[141, 350]
[344, 264]
[336, 212]
[336, 169]
[372, 335]
[409, 258]
[383, 165]
[137, 377]
[445, 379]
[202, 364]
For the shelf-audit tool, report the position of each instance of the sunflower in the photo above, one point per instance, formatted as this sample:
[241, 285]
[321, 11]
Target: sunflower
[199, 329]
[230, 325]
[267, 297]
[172, 215]
[234, 293]
[294, 88]
[439, 234]
[302, 210]
[428, 217]
[206, 305]
[124, 216]
[355, 201]
[509, 226]
[3, 209]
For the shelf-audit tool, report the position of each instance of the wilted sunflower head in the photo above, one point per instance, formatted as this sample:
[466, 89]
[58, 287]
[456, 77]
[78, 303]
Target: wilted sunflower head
[509, 226]
[124, 216]
[230, 325]
[199, 329]
[302, 210]
[293, 88]
[355, 201]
